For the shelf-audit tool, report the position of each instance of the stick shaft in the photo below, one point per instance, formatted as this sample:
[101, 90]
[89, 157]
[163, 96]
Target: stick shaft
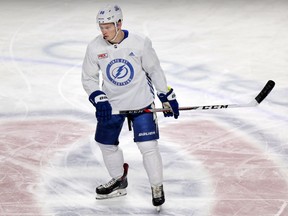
[258, 99]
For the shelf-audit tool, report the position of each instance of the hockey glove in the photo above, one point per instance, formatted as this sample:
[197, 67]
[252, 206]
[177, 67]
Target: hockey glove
[169, 102]
[102, 105]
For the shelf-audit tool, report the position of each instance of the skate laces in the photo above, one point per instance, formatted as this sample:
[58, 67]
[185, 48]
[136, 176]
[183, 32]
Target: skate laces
[110, 183]
[157, 191]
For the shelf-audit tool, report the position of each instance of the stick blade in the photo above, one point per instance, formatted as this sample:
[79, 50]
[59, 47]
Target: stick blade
[265, 91]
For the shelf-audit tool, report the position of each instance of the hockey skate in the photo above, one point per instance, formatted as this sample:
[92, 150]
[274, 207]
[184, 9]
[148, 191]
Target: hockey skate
[115, 187]
[158, 197]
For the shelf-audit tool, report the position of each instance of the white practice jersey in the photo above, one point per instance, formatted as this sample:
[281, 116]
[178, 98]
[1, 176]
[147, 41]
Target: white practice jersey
[129, 70]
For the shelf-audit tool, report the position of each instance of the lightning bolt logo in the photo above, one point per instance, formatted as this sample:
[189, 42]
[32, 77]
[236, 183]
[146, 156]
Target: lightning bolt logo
[120, 72]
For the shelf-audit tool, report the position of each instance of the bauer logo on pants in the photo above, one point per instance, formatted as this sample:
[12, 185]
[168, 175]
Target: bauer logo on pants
[120, 72]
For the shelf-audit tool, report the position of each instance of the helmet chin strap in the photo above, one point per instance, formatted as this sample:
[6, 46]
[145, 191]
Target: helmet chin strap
[116, 34]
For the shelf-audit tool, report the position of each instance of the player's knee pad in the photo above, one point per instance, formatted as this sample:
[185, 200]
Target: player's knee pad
[148, 146]
[108, 148]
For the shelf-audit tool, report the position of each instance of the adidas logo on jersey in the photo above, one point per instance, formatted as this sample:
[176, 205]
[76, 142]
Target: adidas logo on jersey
[131, 54]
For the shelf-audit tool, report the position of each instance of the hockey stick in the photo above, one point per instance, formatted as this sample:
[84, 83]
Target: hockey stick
[258, 99]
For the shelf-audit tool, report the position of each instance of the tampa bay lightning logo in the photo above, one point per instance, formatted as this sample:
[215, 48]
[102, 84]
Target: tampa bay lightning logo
[120, 72]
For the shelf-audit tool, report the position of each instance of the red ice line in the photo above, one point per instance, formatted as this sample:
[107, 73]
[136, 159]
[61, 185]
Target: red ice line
[246, 181]
[25, 147]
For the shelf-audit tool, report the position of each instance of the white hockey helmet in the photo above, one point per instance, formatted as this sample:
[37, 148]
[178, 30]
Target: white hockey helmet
[109, 14]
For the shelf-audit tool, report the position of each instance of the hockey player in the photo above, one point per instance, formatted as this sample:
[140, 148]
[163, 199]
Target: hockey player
[130, 71]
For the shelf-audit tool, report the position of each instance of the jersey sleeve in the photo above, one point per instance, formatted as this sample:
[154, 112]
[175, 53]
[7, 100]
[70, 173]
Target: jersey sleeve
[151, 65]
[90, 71]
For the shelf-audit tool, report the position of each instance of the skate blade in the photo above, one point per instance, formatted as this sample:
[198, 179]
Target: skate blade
[116, 193]
[158, 208]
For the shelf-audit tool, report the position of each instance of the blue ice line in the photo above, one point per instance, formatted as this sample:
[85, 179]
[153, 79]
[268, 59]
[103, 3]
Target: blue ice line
[35, 61]
[56, 113]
